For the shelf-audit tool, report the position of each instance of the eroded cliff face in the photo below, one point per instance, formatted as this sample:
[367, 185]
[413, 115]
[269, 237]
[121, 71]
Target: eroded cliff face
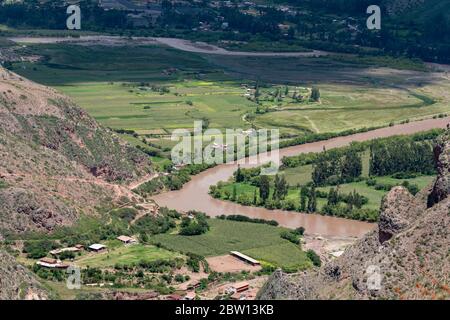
[441, 188]
[406, 257]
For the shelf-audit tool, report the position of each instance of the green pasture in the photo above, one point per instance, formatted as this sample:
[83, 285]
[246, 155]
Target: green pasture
[106, 81]
[121, 105]
[125, 255]
[260, 241]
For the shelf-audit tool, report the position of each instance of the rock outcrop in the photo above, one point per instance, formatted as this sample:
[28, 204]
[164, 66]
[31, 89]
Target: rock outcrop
[406, 257]
[441, 187]
[395, 210]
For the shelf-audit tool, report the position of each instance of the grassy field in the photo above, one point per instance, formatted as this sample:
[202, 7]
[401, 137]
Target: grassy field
[298, 175]
[352, 95]
[65, 64]
[260, 241]
[302, 174]
[348, 106]
[144, 111]
[125, 255]
[106, 82]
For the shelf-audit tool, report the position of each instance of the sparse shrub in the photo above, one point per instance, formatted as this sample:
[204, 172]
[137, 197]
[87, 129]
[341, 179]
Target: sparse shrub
[314, 257]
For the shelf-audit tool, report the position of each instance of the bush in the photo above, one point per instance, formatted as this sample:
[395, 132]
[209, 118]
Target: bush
[49, 274]
[404, 175]
[314, 257]
[38, 249]
[196, 226]
[290, 236]
[155, 225]
[371, 182]
[289, 205]
[127, 214]
[241, 218]
[412, 188]
[194, 262]
[267, 268]
[66, 255]
[179, 278]
[300, 231]
[245, 199]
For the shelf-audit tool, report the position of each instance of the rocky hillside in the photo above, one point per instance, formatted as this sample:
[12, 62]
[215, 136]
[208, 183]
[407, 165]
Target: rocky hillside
[409, 251]
[56, 162]
[16, 282]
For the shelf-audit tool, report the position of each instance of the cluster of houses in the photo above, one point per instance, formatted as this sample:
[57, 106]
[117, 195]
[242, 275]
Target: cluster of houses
[146, 14]
[236, 291]
[55, 263]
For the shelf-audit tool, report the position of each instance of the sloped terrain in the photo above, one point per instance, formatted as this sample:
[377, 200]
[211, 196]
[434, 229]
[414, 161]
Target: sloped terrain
[56, 162]
[16, 282]
[409, 250]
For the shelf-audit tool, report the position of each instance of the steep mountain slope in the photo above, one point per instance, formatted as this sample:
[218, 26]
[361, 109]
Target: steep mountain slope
[56, 162]
[16, 282]
[409, 250]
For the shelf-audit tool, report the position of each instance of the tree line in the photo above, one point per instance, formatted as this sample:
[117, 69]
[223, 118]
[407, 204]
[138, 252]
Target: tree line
[333, 167]
[401, 154]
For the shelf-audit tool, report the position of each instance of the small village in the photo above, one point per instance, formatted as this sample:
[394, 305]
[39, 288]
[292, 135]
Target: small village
[234, 262]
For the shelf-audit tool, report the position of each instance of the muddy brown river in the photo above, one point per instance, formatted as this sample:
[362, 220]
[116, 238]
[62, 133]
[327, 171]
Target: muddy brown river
[194, 195]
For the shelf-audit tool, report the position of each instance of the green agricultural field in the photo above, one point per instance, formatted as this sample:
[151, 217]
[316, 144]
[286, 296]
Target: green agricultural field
[106, 82]
[352, 95]
[125, 255]
[122, 105]
[261, 241]
[348, 106]
[65, 64]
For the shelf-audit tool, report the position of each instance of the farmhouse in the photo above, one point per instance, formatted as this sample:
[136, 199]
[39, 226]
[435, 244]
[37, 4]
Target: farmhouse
[126, 239]
[245, 258]
[240, 286]
[51, 263]
[97, 247]
[61, 250]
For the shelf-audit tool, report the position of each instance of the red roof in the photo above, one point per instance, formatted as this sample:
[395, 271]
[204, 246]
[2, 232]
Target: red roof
[48, 260]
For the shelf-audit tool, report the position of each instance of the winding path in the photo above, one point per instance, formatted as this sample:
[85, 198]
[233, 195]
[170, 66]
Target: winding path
[194, 195]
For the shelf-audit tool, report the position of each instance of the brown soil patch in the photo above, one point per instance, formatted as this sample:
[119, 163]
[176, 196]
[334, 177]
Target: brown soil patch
[228, 263]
